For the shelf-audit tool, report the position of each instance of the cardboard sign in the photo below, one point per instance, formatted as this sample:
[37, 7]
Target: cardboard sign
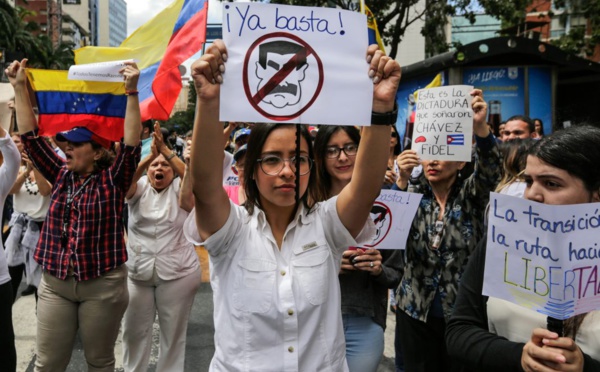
[295, 64]
[443, 128]
[543, 257]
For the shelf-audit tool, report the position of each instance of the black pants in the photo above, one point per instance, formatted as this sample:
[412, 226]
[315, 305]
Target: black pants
[8, 353]
[16, 276]
[423, 344]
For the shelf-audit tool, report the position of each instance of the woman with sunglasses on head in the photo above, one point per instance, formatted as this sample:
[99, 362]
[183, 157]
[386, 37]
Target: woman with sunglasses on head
[444, 232]
[81, 249]
[366, 274]
[562, 168]
[274, 261]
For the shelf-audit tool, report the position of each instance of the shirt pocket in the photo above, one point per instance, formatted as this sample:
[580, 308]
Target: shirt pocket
[254, 285]
[313, 273]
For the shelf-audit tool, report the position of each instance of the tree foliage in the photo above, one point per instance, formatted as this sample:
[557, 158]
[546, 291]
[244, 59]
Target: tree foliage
[18, 36]
[395, 16]
[576, 39]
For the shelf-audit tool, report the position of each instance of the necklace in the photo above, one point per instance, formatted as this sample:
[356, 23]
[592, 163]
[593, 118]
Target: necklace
[31, 187]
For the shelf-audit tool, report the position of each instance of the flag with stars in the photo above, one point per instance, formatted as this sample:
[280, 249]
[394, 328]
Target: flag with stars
[64, 104]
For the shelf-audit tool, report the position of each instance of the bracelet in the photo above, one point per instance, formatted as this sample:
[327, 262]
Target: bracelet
[388, 118]
[171, 156]
[131, 92]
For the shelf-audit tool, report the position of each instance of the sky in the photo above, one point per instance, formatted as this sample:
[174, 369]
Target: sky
[141, 11]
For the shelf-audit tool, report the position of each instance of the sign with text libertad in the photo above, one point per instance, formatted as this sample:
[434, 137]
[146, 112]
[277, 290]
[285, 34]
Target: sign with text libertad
[543, 257]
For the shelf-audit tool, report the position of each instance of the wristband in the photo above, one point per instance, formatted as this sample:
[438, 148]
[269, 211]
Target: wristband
[170, 156]
[131, 92]
[388, 118]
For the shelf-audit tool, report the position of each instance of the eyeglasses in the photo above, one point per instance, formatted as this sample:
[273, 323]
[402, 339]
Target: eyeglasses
[272, 165]
[333, 152]
[394, 134]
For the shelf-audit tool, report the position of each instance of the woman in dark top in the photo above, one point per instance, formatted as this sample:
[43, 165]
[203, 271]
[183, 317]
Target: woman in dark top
[365, 281]
[561, 169]
[444, 232]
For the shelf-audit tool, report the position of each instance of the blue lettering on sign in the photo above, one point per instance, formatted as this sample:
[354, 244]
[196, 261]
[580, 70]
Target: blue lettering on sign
[304, 23]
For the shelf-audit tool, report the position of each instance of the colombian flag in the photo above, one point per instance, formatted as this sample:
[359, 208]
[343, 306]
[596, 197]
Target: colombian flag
[64, 104]
[160, 46]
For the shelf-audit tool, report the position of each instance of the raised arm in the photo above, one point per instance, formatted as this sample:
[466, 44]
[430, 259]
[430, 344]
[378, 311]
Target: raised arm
[23, 109]
[133, 120]
[356, 199]
[186, 197]
[206, 164]
[157, 140]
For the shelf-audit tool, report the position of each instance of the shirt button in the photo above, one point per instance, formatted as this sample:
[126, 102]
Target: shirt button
[282, 272]
[291, 349]
[290, 312]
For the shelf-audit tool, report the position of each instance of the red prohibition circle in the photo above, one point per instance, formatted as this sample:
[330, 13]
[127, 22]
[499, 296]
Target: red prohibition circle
[388, 229]
[310, 51]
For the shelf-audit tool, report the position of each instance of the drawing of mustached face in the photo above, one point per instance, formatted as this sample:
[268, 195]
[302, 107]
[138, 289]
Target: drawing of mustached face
[281, 85]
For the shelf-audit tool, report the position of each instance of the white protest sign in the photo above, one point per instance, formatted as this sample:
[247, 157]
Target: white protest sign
[393, 213]
[443, 128]
[543, 257]
[295, 64]
[101, 71]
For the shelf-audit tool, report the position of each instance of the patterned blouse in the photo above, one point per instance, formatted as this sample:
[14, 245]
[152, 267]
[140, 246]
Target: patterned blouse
[429, 270]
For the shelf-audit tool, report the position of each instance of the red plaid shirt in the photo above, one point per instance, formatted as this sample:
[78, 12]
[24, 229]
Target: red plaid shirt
[94, 240]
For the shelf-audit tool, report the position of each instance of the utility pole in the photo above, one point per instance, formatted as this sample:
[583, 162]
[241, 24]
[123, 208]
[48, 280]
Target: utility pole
[55, 21]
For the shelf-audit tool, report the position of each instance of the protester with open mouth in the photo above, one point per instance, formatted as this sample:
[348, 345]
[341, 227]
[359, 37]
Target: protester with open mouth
[82, 249]
[164, 272]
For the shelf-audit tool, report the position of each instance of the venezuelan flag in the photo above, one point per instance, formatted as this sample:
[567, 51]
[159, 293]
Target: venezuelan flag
[64, 104]
[160, 46]
[374, 36]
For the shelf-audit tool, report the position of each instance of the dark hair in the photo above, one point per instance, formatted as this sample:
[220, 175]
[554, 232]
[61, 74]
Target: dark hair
[574, 150]
[514, 159]
[148, 124]
[107, 158]
[398, 147]
[526, 119]
[323, 189]
[256, 141]
[541, 125]
[281, 47]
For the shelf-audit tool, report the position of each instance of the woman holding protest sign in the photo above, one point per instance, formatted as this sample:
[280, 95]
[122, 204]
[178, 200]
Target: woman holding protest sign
[561, 169]
[81, 248]
[366, 274]
[275, 260]
[444, 232]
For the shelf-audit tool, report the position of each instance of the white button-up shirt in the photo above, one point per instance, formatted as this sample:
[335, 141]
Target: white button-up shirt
[278, 310]
[156, 240]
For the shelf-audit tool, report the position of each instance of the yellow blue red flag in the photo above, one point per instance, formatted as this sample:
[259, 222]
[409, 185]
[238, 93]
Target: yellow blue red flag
[374, 36]
[64, 104]
[160, 46]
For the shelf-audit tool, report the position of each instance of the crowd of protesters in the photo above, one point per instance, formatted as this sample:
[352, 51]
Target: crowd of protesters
[284, 221]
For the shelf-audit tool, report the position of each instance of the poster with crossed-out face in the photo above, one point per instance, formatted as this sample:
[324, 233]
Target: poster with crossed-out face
[294, 64]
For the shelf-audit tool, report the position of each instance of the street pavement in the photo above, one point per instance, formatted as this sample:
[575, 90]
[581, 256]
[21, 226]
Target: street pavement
[200, 342]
